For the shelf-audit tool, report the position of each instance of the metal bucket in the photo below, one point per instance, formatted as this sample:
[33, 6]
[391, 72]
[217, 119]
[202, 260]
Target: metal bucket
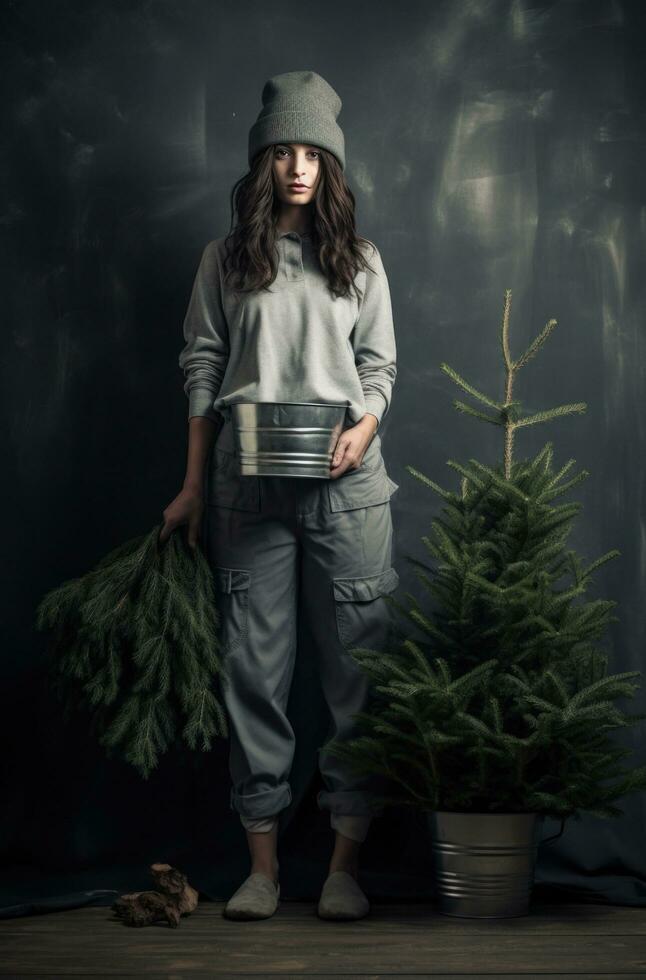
[483, 863]
[286, 438]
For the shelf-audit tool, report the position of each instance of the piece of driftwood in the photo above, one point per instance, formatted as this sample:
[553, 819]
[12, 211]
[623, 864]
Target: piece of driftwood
[172, 898]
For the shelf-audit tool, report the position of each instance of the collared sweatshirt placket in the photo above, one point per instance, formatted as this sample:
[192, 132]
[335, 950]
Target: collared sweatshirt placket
[292, 264]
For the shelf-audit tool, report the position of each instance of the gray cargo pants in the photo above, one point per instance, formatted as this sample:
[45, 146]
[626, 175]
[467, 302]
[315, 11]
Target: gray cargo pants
[268, 539]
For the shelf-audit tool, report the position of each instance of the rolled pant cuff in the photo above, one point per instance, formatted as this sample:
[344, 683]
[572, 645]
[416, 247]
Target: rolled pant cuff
[260, 825]
[267, 803]
[348, 803]
[354, 827]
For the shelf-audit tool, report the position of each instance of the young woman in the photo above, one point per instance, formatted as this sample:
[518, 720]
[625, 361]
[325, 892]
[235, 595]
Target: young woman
[292, 306]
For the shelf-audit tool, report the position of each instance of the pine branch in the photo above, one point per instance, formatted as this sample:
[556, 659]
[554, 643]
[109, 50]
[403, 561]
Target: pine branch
[505, 485]
[469, 476]
[536, 344]
[447, 494]
[482, 416]
[609, 555]
[459, 380]
[551, 413]
[116, 633]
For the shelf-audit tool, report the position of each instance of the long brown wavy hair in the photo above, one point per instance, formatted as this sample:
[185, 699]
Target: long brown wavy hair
[251, 260]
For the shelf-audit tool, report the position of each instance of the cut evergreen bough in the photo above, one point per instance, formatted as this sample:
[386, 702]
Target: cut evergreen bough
[135, 642]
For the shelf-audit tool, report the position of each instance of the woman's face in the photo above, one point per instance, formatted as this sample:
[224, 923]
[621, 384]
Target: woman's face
[296, 163]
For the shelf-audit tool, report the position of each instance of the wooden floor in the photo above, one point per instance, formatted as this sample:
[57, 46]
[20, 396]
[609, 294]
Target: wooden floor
[559, 940]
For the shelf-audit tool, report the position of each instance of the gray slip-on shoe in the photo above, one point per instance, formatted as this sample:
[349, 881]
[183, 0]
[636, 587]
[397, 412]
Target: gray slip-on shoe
[256, 898]
[342, 898]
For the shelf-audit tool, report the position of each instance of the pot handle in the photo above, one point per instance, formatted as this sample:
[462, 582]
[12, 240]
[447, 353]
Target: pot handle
[554, 836]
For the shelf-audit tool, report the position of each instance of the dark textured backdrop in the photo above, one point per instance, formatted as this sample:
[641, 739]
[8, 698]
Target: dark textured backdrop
[490, 145]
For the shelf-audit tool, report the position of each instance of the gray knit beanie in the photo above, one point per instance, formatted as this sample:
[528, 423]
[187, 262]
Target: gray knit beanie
[298, 107]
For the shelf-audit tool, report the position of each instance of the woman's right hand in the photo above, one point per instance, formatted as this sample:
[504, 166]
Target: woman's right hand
[186, 508]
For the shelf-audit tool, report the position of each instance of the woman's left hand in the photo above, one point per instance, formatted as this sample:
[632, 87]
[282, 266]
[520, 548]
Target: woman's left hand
[352, 444]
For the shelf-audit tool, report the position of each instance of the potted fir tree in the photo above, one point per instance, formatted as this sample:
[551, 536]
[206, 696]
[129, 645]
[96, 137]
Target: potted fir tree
[499, 711]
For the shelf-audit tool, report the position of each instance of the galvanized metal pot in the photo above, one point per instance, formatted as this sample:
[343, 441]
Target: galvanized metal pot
[483, 863]
[286, 438]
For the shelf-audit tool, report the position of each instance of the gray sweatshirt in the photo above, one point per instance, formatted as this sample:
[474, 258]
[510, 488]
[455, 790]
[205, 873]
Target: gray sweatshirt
[296, 342]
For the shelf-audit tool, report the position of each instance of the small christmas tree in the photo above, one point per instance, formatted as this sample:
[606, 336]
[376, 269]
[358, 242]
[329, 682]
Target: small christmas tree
[502, 703]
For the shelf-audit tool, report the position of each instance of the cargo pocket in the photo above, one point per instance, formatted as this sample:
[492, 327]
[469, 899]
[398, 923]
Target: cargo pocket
[226, 487]
[365, 487]
[363, 616]
[232, 599]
